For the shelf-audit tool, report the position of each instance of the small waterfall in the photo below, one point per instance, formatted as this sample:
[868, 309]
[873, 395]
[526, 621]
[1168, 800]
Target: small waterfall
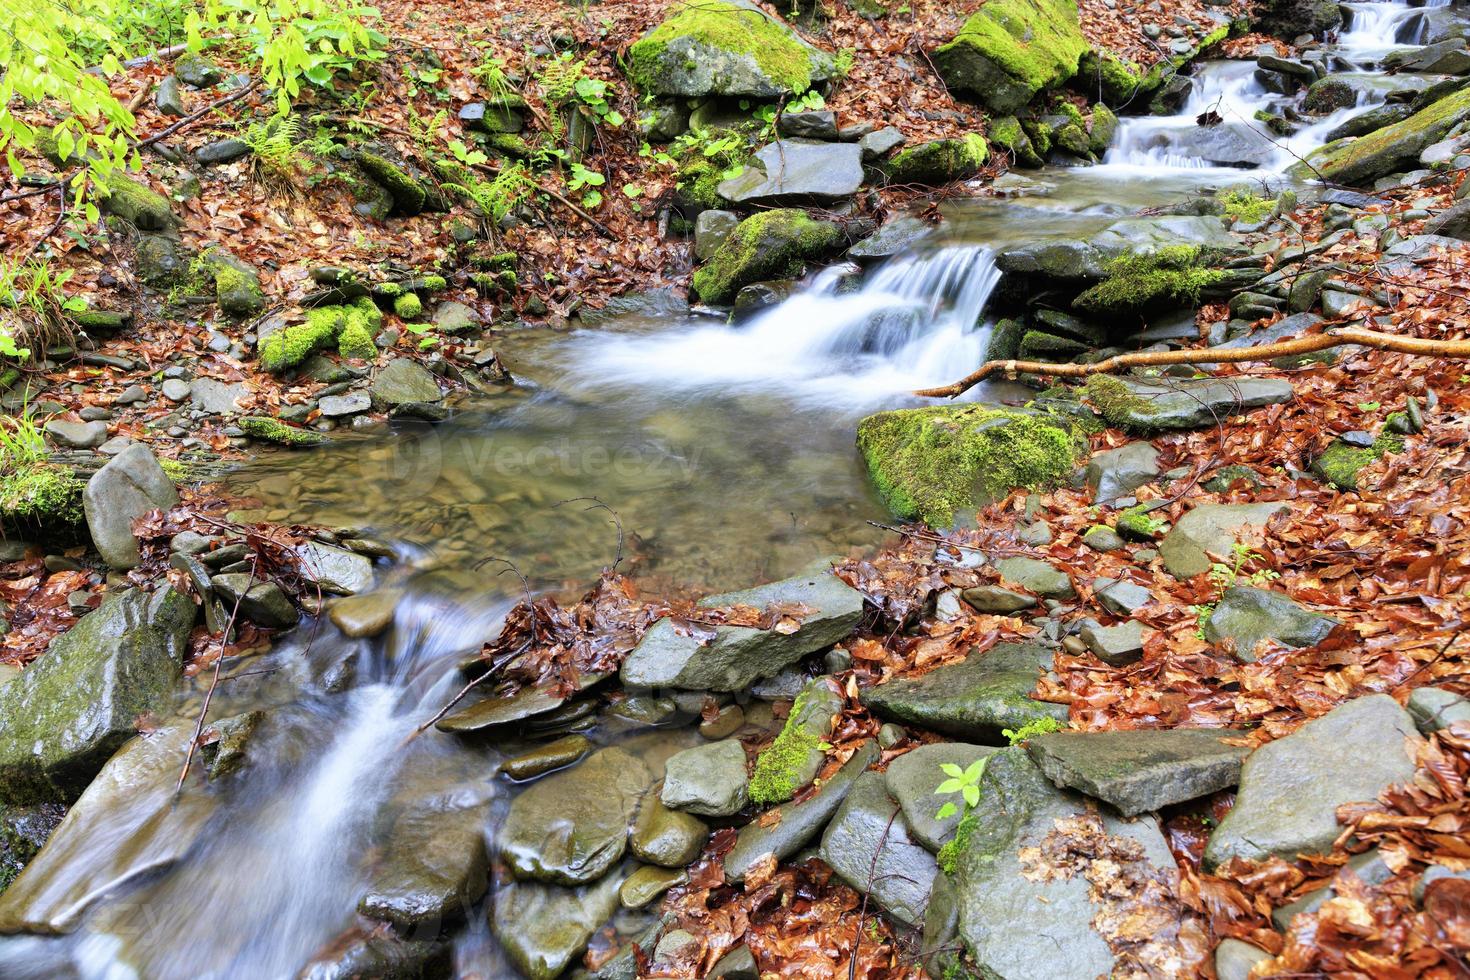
[913, 322]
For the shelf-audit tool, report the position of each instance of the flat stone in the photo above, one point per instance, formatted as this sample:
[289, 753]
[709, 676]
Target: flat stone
[455, 318]
[797, 824]
[547, 758]
[1118, 645]
[1235, 958]
[668, 838]
[895, 236]
[544, 928]
[525, 704]
[646, 884]
[881, 142]
[1434, 708]
[1140, 771]
[1116, 473]
[176, 389]
[264, 603]
[1208, 533]
[1246, 615]
[1369, 867]
[870, 846]
[572, 827]
[341, 406]
[403, 382]
[912, 778]
[792, 170]
[1103, 539]
[77, 435]
[1036, 576]
[366, 615]
[1120, 597]
[819, 124]
[997, 601]
[1194, 404]
[1290, 789]
[739, 655]
[335, 570]
[975, 698]
[217, 397]
[708, 780]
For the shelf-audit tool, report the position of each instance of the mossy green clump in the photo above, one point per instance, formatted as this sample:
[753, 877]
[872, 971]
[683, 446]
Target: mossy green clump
[38, 493]
[1118, 79]
[669, 60]
[770, 245]
[176, 470]
[1040, 345]
[237, 291]
[697, 184]
[1101, 130]
[1137, 524]
[1006, 133]
[939, 161]
[1171, 275]
[268, 429]
[360, 321]
[778, 769]
[408, 306]
[409, 195]
[434, 284]
[1242, 205]
[147, 210]
[949, 854]
[1340, 463]
[928, 463]
[350, 327]
[1010, 50]
[1384, 151]
[1113, 400]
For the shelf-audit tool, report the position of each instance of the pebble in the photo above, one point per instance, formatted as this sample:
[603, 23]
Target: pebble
[724, 724]
[176, 389]
[131, 395]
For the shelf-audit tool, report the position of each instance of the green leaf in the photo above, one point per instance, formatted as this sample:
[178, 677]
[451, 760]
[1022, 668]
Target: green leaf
[977, 768]
[948, 786]
[948, 810]
[950, 769]
[972, 795]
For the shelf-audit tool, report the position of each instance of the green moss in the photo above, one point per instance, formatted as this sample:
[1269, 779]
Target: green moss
[927, 463]
[176, 470]
[1073, 113]
[1037, 43]
[777, 51]
[1006, 133]
[949, 854]
[388, 290]
[434, 284]
[1040, 345]
[939, 161]
[238, 292]
[1168, 275]
[409, 196]
[1137, 524]
[770, 245]
[1119, 80]
[1340, 463]
[777, 769]
[274, 430]
[1242, 205]
[1114, 402]
[698, 182]
[131, 201]
[40, 494]
[1101, 130]
[408, 306]
[1384, 150]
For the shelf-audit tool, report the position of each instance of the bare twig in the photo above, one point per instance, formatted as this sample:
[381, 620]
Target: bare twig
[618, 521]
[194, 117]
[214, 681]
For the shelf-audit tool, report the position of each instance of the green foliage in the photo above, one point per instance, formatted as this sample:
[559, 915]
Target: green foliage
[493, 199]
[1242, 205]
[31, 489]
[490, 73]
[274, 430]
[965, 782]
[1168, 275]
[1036, 726]
[1224, 575]
[778, 767]
[272, 143]
[33, 305]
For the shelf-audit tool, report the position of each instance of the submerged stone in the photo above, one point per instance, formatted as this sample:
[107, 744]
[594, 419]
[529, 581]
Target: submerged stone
[386, 956]
[527, 703]
[1246, 615]
[870, 846]
[1139, 771]
[547, 758]
[335, 570]
[434, 861]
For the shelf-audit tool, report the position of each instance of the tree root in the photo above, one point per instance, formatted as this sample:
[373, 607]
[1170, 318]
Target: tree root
[1339, 337]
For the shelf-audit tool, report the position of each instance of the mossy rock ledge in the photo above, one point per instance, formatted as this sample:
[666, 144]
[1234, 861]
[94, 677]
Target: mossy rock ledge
[770, 245]
[1010, 50]
[726, 47]
[1361, 160]
[928, 463]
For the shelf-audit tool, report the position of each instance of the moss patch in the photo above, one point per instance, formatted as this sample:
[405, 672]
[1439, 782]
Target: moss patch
[1385, 150]
[769, 245]
[1242, 205]
[274, 430]
[408, 306]
[1340, 463]
[409, 196]
[350, 327]
[1171, 275]
[668, 59]
[939, 161]
[1115, 402]
[40, 494]
[927, 463]
[778, 768]
[1012, 49]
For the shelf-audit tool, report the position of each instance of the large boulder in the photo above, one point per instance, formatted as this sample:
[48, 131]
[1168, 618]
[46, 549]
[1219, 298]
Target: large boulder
[1115, 473]
[1140, 771]
[1149, 406]
[1293, 18]
[1208, 533]
[938, 162]
[76, 706]
[1393, 148]
[975, 698]
[725, 47]
[770, 245]
[127, 487]
[1010, 50]
[736, 656]
[1290, 789]
[793, 170]
[870, 846]
[1246, 616]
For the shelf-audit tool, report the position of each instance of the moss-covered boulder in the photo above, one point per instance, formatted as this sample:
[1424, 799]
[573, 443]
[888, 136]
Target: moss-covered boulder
[1292, 18]
[1171, 276]
[236, 284]
[1364, 159]
[725, 47]
[928, 463]
[1006, 133]
[350, 326]
[939, 161]
[1340, 463]
[769, 245]
[145, 209]
[263, 428]
[40, 495]
[1010, 50]
[409, 194]
[76, 706]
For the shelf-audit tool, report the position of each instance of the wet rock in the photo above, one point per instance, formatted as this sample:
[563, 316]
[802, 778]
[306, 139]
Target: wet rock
[820, 124]
[711, 229]
[145, 209]
[1290, 789]
[77, 435]
[229, 753]
[24, 830]
[739, 655]
[263, 603]
[1368, 867]
[126, 488]
[912, 778]
[1016, 924]
[668, 838]
[938, 162]
[1118, 645]
[547, 758]
[708, 780]
[1388, 150]
[434, 862]
[997, 601]
[544, 928]
[1190, 404]
[1118, 472]
[798, 823]
[653, 303]
[74, 707]
[403, 382]
[1007, 56]
[770, 245]
[895, 236]
[738, 964]
[335, 570]
[1140, 771]
[169, 97]
[388, 957]
[364, 615]
[726, 722]
[1434, 708]
[455, 318]
[572, 827]
[758, 297]
[221, 151]
[1036, 576]
[1452, 222]
[126, 826]
[646, 884]
[1246, 615]
[1234, 959]
[793, 170]
[1208, 532]
[881, 142]
[1119, 596]
[871, 847]
[527, 703]
[1103, 539]
[975, 698]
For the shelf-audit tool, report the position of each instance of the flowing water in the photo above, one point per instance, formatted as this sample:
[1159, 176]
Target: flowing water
[726, 453]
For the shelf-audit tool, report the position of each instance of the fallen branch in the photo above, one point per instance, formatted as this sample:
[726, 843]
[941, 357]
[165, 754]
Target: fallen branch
[1340, 337]
[194, 117]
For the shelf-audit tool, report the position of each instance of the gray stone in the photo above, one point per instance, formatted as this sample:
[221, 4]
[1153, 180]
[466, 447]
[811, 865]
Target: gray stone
[1104, 539]
[912, 778]
[647, 884]
[73, 708]
[793, 170]
[403, 382]
[572, 826]
[335, 570]
[197, 71]
[896, 235]
[869, 845]
[455, 318]
[798, 823]
[1208, 532]
[127, 487]
[711, 229]
[176, 389]
[819, 124]
[384, 955]
[975, 698]
[738, 964]
[1452, 222]
[1140, 771]
[665, 837]
[708, 780]
[1234, 959]
[264, 603]
[1290, 789]
[1116, 473]
[1036, 576]
[1369, 867]
[170, 97]
[1246, 615]
[879, 143]
[1119, 596]
[77, 435]
[433, 864]
[738, 655]
[1193, 404]
[544, 928]
[1117, 645]
[997, 601]
[525, 704]
[341, 406]
[216, 397]
[654, 304]
[221, 151]
[1015, 920]
[1434, 708]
